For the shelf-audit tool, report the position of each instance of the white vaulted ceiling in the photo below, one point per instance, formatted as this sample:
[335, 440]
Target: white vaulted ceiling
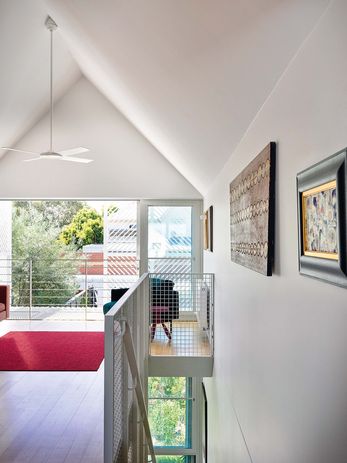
[190, 75]
[24, 68]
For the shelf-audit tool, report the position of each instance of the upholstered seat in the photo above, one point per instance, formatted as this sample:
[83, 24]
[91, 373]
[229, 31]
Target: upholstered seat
[164, 301]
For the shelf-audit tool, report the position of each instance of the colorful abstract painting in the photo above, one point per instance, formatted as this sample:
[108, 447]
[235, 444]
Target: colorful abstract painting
[320, 221]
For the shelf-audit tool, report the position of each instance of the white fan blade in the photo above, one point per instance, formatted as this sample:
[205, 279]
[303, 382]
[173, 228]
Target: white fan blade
[70, 158]
[19, 151]
[32, 159]
[73, 151]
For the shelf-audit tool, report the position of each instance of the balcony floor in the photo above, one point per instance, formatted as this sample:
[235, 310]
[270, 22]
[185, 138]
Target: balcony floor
[188, 340]
[51, 417]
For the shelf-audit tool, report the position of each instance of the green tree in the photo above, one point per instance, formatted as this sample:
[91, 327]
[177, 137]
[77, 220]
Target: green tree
[86, 227]
[55, 213]
[34, 242]
[168, 417]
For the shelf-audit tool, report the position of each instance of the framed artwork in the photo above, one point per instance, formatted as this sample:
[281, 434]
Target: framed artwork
[208, 229]
[252, 213]
[321, 193]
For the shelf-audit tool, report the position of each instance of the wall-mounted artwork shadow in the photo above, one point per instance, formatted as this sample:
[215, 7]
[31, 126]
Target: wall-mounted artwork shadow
[322, 223]
[252, 213]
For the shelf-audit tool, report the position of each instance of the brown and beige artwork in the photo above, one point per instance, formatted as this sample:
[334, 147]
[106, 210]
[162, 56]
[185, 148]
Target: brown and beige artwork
[252, 204]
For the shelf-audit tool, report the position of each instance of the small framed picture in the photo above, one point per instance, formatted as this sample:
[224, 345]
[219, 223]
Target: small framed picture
[321, 191]
[208, 229]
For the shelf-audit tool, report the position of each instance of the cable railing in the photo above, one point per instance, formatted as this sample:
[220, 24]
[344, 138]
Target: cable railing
[65, 288]
[127, 433]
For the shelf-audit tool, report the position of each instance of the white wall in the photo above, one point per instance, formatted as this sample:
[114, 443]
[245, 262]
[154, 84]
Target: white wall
[126, 165]
[278, 394]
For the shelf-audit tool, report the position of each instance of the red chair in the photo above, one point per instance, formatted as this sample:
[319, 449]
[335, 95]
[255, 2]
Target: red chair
[4, 302]
[164, 302]
[159, 314]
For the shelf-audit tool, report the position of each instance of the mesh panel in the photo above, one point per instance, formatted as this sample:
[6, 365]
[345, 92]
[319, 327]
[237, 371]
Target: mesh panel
[118, 386]
[181, 314]
[187, 333]
[125, 405]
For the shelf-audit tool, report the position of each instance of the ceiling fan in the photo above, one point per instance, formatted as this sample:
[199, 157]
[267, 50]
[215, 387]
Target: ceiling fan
[65, 155]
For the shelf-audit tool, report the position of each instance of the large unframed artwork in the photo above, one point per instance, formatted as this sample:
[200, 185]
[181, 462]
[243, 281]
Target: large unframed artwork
[252, 209]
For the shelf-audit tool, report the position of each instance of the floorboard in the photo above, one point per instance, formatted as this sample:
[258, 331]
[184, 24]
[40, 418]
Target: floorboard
[187, 340]
[51, 417]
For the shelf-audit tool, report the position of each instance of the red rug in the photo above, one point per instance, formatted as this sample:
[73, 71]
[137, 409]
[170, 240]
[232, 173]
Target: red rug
[51, 351]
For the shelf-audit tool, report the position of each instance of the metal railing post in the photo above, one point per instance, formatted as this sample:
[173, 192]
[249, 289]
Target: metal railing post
[30, 287]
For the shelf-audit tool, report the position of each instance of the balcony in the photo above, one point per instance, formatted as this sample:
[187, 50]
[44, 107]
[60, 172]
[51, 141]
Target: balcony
[162, 326]
[181, 314]
[65, 289]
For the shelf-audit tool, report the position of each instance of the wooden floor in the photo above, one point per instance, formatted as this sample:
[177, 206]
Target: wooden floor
[188, 340]
[54, 417]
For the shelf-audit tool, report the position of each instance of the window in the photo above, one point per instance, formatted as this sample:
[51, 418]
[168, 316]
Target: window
[175, 459]
[170, 412]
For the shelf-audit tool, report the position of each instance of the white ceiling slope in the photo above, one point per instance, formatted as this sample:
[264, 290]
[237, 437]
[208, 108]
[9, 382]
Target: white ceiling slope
[24, 71]
[189, 74]
[125, 164]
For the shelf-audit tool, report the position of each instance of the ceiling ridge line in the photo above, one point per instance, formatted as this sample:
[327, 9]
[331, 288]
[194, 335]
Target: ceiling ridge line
[276, 85]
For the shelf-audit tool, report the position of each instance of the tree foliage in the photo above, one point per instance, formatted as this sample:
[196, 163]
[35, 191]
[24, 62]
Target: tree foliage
[168, 417]
[35, 244]
[86, 227]
[55, 214]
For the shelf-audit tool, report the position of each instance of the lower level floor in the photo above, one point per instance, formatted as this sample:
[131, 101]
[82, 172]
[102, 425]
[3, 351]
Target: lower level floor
[54, 417]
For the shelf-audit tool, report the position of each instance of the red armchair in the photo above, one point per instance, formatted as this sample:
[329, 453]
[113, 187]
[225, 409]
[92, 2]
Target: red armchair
[4, 301]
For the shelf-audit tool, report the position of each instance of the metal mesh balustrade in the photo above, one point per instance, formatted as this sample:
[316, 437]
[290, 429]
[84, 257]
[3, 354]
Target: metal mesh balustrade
[181, 314]
[185, 303]
[118, 386]
[125, 348]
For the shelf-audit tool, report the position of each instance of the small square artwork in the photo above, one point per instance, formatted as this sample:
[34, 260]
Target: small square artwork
[252, 209]
[319, 209]
[322, 220]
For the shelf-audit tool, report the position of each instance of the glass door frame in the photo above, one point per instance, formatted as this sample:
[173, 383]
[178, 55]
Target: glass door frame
[197, 210]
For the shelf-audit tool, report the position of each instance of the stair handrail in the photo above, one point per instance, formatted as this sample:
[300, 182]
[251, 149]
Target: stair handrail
[130, 351]
[132, 303]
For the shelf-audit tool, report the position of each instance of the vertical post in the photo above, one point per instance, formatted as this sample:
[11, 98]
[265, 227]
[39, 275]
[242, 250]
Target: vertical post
[145, 350]
[85, 289]
[135, 412]
[212, 305]
[109, 389]
[126, 392]
[30, 287]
